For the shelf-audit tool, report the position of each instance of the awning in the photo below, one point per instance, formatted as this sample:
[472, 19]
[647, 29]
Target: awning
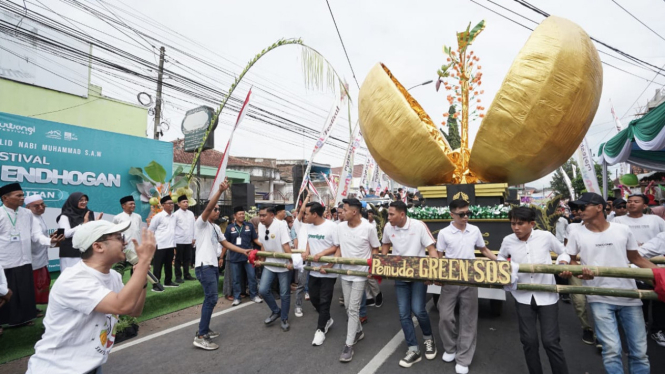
[642, 143]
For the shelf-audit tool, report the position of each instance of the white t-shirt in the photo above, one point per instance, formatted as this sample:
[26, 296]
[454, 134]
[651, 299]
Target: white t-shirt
[460, 244]
[561, 228]
[535, 250]
[207, 242]
[644, 228]
[654, 247]
[278, 235]
[410, 240]
[134, 230]
[163, 225]
[607, 248]
[3, 282]
[302, 230]
[77, 339]
[572, 227]
[357, 242]
[184, 226]
[611, 216]
[320, 238]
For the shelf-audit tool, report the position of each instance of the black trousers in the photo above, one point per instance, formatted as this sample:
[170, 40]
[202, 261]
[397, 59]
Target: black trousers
[163, 257]
[657, 310]
[22, 307]
[183, 258]
[527, 316]
[320, 294]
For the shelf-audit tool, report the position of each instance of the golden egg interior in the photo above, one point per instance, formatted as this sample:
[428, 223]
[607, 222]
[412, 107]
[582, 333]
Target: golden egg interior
[544, 107]
[401, 137]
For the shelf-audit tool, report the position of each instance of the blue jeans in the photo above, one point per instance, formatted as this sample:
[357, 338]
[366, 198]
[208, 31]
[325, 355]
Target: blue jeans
[237, 268]
[284, 291]
[411, 299]
[363, 307]
[208, 276]
[607, 318]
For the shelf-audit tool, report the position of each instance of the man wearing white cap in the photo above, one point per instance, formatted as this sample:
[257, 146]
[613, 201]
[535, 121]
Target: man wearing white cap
[87, 300]
[40, 273]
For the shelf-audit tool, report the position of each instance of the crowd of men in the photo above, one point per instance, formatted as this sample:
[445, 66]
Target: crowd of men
[88, 297]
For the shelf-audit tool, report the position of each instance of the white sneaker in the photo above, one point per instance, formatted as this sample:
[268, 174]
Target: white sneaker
[319, 337]
[257, 300]
[298, 312]
[235, 302]
[459, 369]
[328, 324]
[306, 295]
[448, 357]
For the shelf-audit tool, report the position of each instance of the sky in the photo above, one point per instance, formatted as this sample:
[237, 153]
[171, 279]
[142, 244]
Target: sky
[406, 36]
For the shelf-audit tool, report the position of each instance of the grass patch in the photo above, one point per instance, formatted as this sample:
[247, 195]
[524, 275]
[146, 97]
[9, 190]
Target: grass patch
[19, 342]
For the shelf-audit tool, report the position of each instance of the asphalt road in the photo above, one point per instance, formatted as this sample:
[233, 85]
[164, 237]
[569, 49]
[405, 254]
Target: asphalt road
[248, 346]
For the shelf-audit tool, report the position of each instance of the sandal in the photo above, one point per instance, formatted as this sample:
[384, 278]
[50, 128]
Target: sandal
[40, 314]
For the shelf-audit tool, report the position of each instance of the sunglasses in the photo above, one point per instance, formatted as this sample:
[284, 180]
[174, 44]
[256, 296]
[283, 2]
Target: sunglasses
[463, 214]
[583, 207]
[216, 210]
[267, 232]
[622, 206]
[120, 237]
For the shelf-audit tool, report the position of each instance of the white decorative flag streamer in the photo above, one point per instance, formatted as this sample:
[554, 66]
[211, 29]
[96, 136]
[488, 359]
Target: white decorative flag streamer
[587, 167]
[331, 185]
[623, 167]
[568, 184]
[346, 177]
[221, 170]
[364, 177]
[323, 137]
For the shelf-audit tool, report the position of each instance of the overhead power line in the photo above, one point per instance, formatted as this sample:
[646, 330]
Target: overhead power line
[638, 20]
[343, 47]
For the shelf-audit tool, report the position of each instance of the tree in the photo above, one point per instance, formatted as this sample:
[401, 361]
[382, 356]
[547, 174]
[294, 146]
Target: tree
[453, 136]
[559, 186]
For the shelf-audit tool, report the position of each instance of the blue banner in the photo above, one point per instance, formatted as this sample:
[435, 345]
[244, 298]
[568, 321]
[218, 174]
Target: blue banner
[54, 160]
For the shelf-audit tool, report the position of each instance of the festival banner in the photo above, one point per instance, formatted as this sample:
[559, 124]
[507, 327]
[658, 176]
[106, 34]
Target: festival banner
[442, 269]
[566, 179]
[221, 171]
[376, 176]
[346, 177]
[623, 167]
[331, 185]
[587, 167]
[323, 137]
[364, 177]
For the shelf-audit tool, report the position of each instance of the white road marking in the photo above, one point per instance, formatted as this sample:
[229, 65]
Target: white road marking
[175, 328]
[387, 350]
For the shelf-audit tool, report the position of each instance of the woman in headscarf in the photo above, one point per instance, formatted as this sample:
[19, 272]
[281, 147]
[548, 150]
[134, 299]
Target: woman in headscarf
[74, 213]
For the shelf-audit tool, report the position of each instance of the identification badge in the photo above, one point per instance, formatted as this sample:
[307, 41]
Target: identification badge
[14, 238]
[238, 241]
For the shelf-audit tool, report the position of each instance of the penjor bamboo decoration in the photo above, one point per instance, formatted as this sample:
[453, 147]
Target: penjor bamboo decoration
[328, 259]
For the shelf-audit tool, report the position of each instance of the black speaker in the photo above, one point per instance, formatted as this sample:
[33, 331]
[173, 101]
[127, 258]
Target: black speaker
[242, 194]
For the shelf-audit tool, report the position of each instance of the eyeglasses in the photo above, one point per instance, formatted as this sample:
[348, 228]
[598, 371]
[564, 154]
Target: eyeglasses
[120, 237]
[216, 210]
[463, 214]
[42, 205]
[267, 237]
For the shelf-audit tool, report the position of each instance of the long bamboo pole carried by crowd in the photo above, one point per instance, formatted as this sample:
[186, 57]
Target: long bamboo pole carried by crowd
[660, 260]
[604, 271]
[554, 288]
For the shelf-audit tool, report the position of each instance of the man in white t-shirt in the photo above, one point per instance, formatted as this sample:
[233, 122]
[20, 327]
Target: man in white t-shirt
[410, 237]
[459, 240]
[163, 225]
[357, 239]
[561, 226]
[619, 209]
[300, 225]
[643, 226]
[602, 243]
[274, 237]
[128, 206]
[87, 300]
[184, 240]
[529, 246]
[208, 237]
[321, 241]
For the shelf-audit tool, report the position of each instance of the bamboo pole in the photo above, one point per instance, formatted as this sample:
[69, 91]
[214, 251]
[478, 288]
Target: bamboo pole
[659, 260]
[598, 271]
[328, 259]
[552, 288]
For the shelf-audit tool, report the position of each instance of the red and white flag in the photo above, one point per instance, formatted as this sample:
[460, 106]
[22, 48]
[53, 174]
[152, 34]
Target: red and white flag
[221, 171]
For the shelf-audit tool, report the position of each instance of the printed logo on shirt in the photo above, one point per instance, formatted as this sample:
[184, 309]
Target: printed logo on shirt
[639, 226]
[319, 237]
[107, 335]
[604, 244]
[233, 229]
[272, 236]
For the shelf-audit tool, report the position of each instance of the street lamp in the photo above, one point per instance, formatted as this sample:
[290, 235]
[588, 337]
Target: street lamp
[422, 84]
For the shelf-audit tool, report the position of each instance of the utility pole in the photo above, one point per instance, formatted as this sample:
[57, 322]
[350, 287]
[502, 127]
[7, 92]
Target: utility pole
[158, 102]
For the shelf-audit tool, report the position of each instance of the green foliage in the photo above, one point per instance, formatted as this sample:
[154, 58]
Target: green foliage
[139, 173]
[453, 136]
[547, 216]
[156, 172]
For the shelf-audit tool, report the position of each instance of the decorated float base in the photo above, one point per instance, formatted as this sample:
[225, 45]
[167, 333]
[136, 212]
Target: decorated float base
[493, 230]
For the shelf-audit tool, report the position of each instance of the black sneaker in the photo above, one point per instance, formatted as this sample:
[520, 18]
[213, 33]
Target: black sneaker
[370, 302]
[659, 338]
[285, 325]
[410, 359]
[189, 278]
[430, 349]
[598, 345]
[272, 318]
[178, 280]
[171, 284]
[379, 300]
[157, 288]
[587, 337]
